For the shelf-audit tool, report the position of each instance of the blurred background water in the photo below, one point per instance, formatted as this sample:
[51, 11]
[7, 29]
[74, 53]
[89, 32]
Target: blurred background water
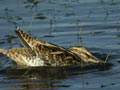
[94, 24]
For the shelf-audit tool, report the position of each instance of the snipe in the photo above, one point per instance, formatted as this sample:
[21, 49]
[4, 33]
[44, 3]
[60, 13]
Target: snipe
[41, 53]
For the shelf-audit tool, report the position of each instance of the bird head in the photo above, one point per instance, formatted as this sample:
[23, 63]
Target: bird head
[84, 54]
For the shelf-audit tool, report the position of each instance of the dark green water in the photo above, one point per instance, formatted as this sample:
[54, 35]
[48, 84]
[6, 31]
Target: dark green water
[94, 24]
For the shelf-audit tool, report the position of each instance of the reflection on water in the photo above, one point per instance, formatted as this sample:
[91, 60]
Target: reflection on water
[92, 23]
[42, 77]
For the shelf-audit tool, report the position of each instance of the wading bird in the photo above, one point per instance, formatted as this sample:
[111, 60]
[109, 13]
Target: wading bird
[40, 53]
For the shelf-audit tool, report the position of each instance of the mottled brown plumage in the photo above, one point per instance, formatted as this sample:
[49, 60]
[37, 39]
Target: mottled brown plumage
[40, 53]
[16, 53]
[84, 54]
[29, 42]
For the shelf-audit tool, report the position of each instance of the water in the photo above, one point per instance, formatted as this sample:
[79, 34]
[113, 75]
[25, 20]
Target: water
[94, 24]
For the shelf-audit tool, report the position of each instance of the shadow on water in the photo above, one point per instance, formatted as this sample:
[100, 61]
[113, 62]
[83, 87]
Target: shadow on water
[47, 77]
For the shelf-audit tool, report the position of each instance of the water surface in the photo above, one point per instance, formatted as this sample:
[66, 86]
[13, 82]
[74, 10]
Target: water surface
[94, 24]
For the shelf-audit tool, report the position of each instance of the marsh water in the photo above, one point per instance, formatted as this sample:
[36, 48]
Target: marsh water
[94, 24]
